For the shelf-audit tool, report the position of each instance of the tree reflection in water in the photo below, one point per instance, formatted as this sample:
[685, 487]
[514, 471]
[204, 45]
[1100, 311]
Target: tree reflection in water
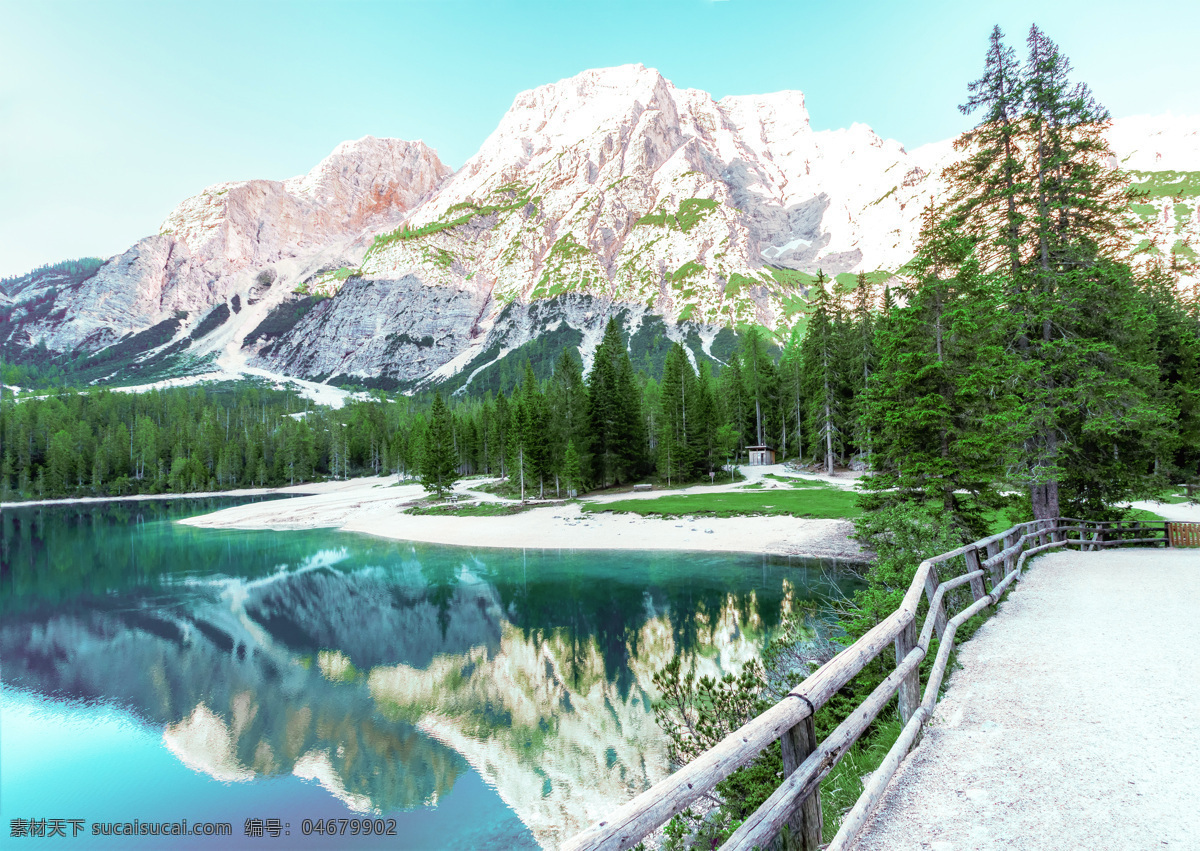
[382, 670]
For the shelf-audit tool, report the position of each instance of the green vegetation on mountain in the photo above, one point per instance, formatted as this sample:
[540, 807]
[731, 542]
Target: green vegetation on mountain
[1166, 184]
[691, 211]
[214, 320]
[282, 319]
[61, 274]
[568, 266]
[509, 197]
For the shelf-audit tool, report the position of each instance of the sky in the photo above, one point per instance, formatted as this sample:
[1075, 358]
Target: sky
[113, 112]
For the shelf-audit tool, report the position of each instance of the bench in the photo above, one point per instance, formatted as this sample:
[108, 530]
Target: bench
[642, 487]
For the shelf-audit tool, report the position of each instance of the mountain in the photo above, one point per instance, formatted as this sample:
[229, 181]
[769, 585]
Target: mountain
[609, 193]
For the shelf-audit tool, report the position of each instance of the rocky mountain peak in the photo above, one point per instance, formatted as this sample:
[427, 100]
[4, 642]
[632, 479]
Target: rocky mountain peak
[609, 192]
[365, 183]
[370, 178]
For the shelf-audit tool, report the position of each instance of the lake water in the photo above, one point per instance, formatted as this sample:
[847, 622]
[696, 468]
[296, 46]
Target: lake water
[456, 697]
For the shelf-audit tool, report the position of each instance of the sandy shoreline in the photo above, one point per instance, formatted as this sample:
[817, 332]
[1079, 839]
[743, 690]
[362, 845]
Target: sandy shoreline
[307, 489]
[376, 507]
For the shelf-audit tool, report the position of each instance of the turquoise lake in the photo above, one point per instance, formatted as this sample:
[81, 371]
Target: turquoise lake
[466, 698]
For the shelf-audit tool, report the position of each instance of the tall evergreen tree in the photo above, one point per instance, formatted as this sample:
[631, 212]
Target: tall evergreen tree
[633, 438]
[439, 465]
[862, 359]
[707, 418]
[791, 393]
[614, 412]
[990, 180]
[678, 441]
[736, 408]
[940, 402]
[567, 409]
[760, 379]
[822, 374]
[1048, 213]
[533, 433]
[572, 473]
[1089, 386]
[1177, 344]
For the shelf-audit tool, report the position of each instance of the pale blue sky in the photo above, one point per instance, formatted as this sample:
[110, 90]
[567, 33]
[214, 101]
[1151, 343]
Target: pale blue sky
[112, 112]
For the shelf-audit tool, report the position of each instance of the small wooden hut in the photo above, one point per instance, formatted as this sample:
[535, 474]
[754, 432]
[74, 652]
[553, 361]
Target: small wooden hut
[760, 455]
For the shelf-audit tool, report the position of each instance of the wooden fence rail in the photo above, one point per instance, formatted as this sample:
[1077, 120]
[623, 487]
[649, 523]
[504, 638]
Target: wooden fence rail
[997, 560]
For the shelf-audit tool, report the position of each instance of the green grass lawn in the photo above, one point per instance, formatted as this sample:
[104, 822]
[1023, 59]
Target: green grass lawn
[819, 502]
[1143, 515]
[1171, 497]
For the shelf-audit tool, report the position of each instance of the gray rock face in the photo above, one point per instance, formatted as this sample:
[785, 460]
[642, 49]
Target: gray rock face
[397, 329]
[220, 243]
[613, 184]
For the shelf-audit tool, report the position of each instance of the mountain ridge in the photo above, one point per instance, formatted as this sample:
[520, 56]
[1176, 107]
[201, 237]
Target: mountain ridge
[614, 184]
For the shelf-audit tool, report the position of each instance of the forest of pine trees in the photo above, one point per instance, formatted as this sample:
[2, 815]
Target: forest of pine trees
[570, 432]
[1020, 350]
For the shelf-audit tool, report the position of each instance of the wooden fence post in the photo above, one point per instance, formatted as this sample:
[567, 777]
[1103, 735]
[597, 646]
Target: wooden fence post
[910, 687]
[992, 549]
[1010, 560]
[977, 590]
[931, 585]
[804, 827]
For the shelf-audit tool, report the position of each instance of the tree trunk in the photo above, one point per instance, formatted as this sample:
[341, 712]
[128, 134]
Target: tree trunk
[828, 440]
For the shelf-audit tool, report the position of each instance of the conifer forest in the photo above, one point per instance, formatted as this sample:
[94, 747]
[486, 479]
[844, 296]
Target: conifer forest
[1023, 350]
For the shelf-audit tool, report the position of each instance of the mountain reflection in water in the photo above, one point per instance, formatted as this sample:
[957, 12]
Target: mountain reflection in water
[382, 671]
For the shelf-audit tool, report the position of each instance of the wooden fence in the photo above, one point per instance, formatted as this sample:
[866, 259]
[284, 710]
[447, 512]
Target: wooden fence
[993, 562]
[1184, 534]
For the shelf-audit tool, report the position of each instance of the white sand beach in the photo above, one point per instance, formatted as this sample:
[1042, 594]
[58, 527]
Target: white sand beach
[376, 506]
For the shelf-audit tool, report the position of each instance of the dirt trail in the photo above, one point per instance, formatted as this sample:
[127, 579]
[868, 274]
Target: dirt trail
[1073, 722]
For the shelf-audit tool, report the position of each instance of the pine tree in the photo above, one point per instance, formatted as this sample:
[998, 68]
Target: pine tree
[677, 438]
[499, 437]
[822, 373]
[1089, 386]
[619, 442]
[791, 392]
[1049, 215]
[734, 408]
[992, 178]
[706, 418]
[940, 403]
[439, 462]
[533, 433]
[861, 359]
[567, 407]
[603, 404]
[572, 470]
[632, 429]
[1177, 344]
[760, 379]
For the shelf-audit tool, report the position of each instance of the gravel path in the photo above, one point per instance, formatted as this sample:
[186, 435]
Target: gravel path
[1074, 722]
